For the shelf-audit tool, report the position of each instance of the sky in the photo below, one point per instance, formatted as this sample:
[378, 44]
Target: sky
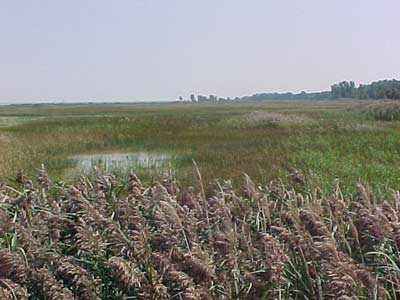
[104, 50]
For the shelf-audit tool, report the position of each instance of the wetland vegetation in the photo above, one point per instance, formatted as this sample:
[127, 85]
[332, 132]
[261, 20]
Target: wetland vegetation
[350, 140]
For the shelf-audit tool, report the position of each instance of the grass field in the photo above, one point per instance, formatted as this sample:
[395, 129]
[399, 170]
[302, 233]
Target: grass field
[324, 139]
[316, 234]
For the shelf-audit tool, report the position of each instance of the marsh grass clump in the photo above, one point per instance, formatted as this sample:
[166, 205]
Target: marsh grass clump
[105, 239]
[384, 111]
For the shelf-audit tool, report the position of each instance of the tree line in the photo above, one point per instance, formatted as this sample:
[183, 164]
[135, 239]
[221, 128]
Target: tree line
[383, 89]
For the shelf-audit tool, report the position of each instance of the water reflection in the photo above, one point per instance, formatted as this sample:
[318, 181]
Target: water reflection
[119, 161]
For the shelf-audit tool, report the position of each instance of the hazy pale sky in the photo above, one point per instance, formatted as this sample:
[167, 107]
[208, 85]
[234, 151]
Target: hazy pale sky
[160, 49]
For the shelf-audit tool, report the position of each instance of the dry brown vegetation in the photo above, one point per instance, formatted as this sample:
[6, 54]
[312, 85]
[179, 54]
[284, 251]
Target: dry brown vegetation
[107, 240]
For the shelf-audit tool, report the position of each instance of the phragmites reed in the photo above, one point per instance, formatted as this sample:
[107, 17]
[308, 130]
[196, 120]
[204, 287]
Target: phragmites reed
[275, 259]
[43, 178]
[125, 273]
[82, 282]
[98, 239]
[135, 188]
[12, 266]
[10, 290]
[48, 287]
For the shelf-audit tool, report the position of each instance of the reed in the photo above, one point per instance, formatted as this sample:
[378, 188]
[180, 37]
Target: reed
[104, 239]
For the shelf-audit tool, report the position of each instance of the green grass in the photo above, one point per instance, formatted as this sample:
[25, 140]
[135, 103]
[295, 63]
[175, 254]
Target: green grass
[325, 139]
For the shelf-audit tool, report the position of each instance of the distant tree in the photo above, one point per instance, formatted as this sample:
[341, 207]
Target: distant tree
[192, 98]
[389, 89]
[201, 98]
[180, 98]
[335, 90]
[212, 98]
[344, 89]
[352, 90]
[362, 92]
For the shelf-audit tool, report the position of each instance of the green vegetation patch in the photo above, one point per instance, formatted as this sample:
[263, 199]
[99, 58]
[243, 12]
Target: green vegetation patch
[384, 111]
[332, 139]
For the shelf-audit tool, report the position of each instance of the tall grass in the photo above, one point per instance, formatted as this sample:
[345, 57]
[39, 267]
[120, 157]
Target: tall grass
[104, 239]
[384, 111]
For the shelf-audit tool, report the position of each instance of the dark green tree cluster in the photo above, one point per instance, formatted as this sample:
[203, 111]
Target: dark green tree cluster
[288, 96]
[384, 89]
[343, 89]
[211, 98]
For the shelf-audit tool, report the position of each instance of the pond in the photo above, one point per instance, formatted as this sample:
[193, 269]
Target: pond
[118, 162]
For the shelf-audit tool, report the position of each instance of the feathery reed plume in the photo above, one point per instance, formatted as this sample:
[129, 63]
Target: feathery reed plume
[366, 221]
[43, 178]
[12, 266]
[167, 269]
[89, 240]
[105, 240]
[48, 286]
[196, 293]
[9, 290]
[135, 188]
[126, 275]
[275, 259]
[82, 282]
